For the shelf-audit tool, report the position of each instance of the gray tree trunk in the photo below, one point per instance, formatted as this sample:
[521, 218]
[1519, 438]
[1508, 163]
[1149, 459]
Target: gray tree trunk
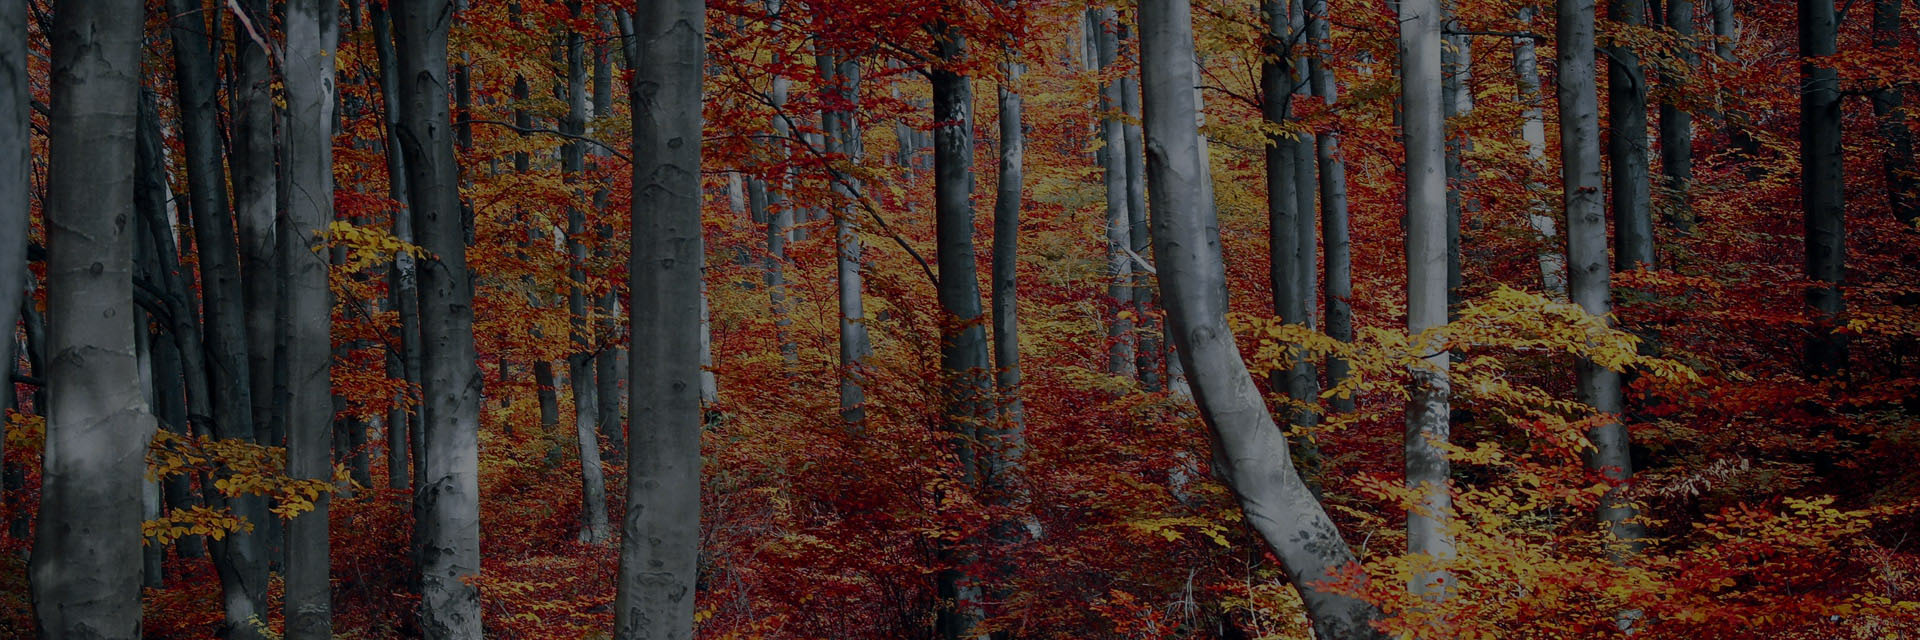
[403, 293]
[15, 197]
[313, 34]
[85, 568]
[1676, 124]
[660, 543]
[1006, 250]
[1113, 163]
[1589, 276]
[1146, 351]
[1428, 257]
[1251, 455]
[1903, 185]
[594, 528]
[779, 213]
[256, 196]
[1305, 188]
[963, 352]
[1335, 239]
[1286, 219]
[1627, 144]
[1822, 188]
[1533, 130]
[1456, 95]
[241, 557]
[447, 501]
[842, 79]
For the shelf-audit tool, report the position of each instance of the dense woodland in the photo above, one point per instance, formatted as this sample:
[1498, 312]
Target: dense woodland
[959, 319]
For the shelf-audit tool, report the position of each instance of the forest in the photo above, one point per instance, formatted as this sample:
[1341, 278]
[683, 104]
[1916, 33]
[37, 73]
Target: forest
[959, 319]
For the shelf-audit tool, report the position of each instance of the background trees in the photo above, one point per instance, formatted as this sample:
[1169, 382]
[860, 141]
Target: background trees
[839, 433]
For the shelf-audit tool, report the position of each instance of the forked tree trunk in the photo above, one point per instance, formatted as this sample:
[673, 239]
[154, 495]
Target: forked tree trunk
[447, 501]
[256, 183]
[660, 544]
[85, 568]
[1251, 455]
[1286, 219]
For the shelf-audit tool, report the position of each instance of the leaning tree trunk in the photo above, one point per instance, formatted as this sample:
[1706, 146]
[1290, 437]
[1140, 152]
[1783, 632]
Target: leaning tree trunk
[85, 569]
[1533, 130]
[594, 528]
[1428, 229]
[660, 544]
[1627, 143]
[447, 501]
[1251, 453]
[1676, 123]
[313, 32]
[1113, 163]
[1822, 196]
[1590, 281]
[241, 557]
[963, 343]
[15, 200]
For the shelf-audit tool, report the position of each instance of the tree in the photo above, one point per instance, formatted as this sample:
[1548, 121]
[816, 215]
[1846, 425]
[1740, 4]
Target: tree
[1006, 250]
[403, 292]
[256, 180]
[1627, 142]
[1903, 185]
[1113, 163]
[85, 568]
[594, 528]
[15, 200]
[313, 34]
[241, 559]
[1822, 185]
[1292, 295]
[660, 543]
[773, 201]
[447, 500]
[1533, 130]
[1335, 239]
[841, 84]
[1251, 454]
[1590, 279]
[1427, 258]
[1676, 123]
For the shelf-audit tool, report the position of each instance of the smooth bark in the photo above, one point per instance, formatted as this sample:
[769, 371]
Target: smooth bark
[15, 199]
[1903, 184]
[1822, 186]
[447, 500]
[660, 541]
[1428, 225]
[841, 80]
[1336, 239]
[1113, 168]
[86, 564]
[1005, 276]
[1676, 123]
[1251, 454]
[403, 291]
[256, 177]
[1629, 183]
[1533, 130]
[594, 528]
[1286, 219]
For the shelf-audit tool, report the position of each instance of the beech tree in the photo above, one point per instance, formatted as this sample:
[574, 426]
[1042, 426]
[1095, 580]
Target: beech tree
[86, 567]
[1251, 456]
[1822, 186]
[660, 541]
[1113, 162]
[1627, 143]
[1428, 404]
[15, 200]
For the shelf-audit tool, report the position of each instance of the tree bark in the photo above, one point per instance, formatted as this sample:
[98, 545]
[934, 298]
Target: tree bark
[313, 34]
[403, 292]
[1903, 184]
[85, 567]
[594, 528]
[1533, 130]
[841, 79]
[1590, 279]
[255, 191]
[1286, 219]
[1822, 195]
[1428, 258]
[1113, 163]
[1146, 350]
[1251, 454]
[1627, 143]
[963, 344]
[1676, 124]
[1006, 250]
[447, 501]
[779, 212]
[1456, 96]
[15, 197]
[660, 544]
[241, 557]
[1336, 240]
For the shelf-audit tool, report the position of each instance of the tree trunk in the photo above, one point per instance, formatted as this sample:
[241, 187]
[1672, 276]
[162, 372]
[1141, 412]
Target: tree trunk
[1456, 96]
[607, 376]
[594, 528]
[660, 544]
[1627, 143]
[1006, 250]
[1676, 124]
[403, 424]
[1822, 178]
[1533, 130]
[779, 211]
[1306, 246]
[1292, 300]
[313, 33]
[1428, 257]
[255, 191]
[1113, 163]
[963, 344]
[447, 502]
[1335, 239]
[241, 556]
[1251, 454]
[85, 569]
[1146, 347]
[1590, 281]
[15, 198]
[1903, 185]
[842, 80]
